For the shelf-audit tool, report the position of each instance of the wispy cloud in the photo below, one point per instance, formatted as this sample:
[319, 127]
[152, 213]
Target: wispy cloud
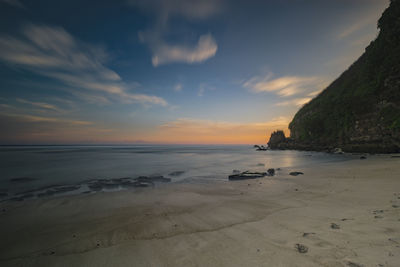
[201, 91]
[14, 3]
[33, 129]
[203, 87]
[41, 105]
[357, 26]
[32, 118]
[178, 87]
[283, 86]
[315, 93]
[294, 102]
[53, 52]
[164, 52]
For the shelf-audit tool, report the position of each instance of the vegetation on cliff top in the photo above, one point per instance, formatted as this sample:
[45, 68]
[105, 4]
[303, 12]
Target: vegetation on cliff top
[362, 106]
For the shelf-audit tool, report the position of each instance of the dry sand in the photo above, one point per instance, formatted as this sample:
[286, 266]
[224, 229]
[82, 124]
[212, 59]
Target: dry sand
[245, 223]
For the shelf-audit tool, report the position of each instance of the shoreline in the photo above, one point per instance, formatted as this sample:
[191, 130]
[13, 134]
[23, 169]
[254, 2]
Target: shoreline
[254, 222]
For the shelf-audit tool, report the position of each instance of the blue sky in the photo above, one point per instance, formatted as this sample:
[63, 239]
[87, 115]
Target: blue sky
[172, 71]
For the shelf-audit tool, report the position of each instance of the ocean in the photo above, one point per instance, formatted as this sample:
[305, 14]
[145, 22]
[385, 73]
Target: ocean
[24, 169]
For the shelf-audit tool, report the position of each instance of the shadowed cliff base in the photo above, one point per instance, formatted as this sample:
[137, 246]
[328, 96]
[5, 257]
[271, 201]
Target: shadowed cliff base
[359, 111]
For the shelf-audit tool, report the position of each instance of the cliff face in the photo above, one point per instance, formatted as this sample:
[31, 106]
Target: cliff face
[359, 111]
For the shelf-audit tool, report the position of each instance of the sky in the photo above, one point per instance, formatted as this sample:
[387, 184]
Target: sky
[170, 71]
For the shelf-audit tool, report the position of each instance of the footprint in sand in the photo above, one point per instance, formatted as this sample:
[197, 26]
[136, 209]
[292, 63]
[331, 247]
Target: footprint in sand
[308, 234]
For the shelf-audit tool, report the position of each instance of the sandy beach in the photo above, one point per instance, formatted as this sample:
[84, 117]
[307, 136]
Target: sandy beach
[345, 214]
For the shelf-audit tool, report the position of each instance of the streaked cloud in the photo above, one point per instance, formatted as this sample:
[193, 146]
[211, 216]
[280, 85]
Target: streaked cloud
[39, 104]
[358, 25]
[164, 52]
[315, 93]
[33, 129]
[54, 53]
[283, 86]
[14, 3]
[294, 102]
[33, 118]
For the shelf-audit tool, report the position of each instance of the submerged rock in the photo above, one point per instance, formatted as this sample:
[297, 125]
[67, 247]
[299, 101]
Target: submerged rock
[159, 178]
[22, 179]
[58, 190]
[260, 148]
[176, 173]
[22, 197]
[127, 182]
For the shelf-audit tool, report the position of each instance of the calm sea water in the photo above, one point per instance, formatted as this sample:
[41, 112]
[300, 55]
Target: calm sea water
[61, 165]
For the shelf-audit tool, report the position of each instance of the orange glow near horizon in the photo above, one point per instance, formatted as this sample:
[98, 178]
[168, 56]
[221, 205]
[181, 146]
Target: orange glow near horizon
[180, 131]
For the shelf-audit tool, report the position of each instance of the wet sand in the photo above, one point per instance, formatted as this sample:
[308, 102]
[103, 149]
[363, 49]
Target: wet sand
[344, 213]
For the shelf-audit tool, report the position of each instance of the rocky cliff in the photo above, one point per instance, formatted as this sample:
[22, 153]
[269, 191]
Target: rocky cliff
[360, 110]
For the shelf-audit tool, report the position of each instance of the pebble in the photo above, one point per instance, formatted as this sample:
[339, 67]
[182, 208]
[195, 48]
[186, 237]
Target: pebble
[301, 248]
[353, 264]
[335, 226]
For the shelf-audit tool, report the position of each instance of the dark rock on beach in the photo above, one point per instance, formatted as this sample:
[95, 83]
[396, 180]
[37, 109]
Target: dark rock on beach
[271, 172]
[296, 173]
[248, 175]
